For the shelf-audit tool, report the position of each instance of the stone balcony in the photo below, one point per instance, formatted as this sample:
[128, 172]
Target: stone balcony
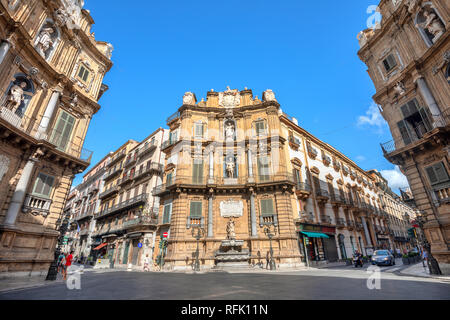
[303, 190]
[36, 205]
[340, 223]
[305, 218]
[325, 219]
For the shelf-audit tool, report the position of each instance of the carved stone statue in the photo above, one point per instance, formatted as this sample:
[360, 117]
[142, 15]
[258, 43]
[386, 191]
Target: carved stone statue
[433, 25]
[231, 234]
[45, 41]
[229, 131]
[15, 96]
[400, 88]
[188, 98]
[230, 166]
[269, 95]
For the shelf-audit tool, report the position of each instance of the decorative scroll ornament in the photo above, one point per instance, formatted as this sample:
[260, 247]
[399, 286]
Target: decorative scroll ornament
[229, 98]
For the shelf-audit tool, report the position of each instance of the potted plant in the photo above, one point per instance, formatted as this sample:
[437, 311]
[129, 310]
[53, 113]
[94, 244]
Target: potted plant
[405, 259]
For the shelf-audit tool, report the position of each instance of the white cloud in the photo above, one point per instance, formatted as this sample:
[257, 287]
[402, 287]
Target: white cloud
[372, 118]
[395, 178]
[360, 158]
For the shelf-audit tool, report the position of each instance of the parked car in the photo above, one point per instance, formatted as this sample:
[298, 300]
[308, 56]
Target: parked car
[383, 257]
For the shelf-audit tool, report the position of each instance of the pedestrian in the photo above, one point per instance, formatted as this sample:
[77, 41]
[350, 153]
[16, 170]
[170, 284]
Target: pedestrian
[425, 257]
[267, 260]
[68, 263]
[61, 257]
[146, 263]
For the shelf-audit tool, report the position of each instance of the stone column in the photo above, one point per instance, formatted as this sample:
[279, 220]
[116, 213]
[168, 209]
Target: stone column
[18, 197]
[4, 48]
[250, 165]
[43, 126]
[366, 232]
[210, 216]
[429, 100]
[253, 213]
[211, 167]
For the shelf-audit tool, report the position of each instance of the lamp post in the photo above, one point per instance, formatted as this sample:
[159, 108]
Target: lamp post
[198, 233]
[433, 265]
[53, 270]
[268, 232]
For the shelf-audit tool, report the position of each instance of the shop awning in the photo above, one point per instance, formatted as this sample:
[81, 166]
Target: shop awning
[100, 246]
[315, 234]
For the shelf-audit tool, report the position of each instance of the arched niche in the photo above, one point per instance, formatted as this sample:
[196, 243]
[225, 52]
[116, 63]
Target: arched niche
[18, 94]
[429, 23]
[47, 39]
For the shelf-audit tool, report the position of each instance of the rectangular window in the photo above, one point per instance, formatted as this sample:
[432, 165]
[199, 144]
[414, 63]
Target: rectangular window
[263, 168]
[199, 130]
[196, 209]
[297, 176]
[260, 128]
[197, 171]
[83, 74]
[389, 63]
[169, 179]
[437, 173]
[167, 213]
[267, 207]
[43, 185]
[63, 130]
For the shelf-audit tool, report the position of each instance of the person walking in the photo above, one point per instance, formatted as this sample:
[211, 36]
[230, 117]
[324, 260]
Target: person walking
[61, 257]
[68, 263]
[146, 263]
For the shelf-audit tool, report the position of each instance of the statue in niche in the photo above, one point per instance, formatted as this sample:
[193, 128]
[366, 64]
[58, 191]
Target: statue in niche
[229, 130]
[231, 234]
[45, 41]
[432, 24]
[400, 88]
[230, 167]
[15, 96]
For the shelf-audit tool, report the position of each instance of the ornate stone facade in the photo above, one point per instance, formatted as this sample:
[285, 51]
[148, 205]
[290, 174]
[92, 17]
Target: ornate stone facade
[50, 81]
[408, 62]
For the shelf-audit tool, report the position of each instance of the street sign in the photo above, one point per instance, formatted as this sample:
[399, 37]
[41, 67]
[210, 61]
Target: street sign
[165, 234]
[139, 245]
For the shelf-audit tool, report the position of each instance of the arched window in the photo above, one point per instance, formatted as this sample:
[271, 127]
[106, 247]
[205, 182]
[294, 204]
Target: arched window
[430, 24]
[18, 95]
[47, 39]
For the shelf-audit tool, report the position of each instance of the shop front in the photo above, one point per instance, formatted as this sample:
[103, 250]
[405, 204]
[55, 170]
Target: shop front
[317, 243]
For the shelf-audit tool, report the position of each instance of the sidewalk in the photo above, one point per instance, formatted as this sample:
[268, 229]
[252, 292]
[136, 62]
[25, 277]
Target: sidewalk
[26, 282]
[419, 270]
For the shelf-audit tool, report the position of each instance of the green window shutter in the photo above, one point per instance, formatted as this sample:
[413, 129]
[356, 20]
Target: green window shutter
[425, 118]
[197, 174]
[169, 179]
[267, 207]
[440, 172]
[43, 185]
[80, 73]
[402, 127]
[63, 130]
[260, 127]
[196, 209]
[432, 175]
[167, 213]
[263, 168]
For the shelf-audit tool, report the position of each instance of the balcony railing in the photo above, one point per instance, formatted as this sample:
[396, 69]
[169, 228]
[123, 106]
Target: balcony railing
[325, 219]
[221, 181]
[168, 143]
[322, 193]
[195, 221]
[306, 217]
[117, 157]
[37, 205]
[416, 133]
[124, 205]
[359, 226]
[147, 148]
[109, 192]
[340, 223]
[303, 186]
[156, 167]
[174, 116]
[33, 129]
[112, 173]
[140, 221]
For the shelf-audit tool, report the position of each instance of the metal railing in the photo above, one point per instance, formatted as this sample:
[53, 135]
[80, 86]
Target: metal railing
[325, 219]
[417, 132]
[306, 217]
[123, 206]
[322, 193]
[340, 222]
[33, 129]
[148, 146]
[108, 192]
[140, 221]
[173, 117]
[153, 166]
[118, 156]
[303, 186]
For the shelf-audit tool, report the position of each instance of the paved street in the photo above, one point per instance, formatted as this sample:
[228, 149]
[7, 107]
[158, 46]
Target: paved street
[328, 283]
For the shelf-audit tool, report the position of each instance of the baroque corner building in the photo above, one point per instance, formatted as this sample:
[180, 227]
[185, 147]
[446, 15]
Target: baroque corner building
[408, 60]
[51, 73]
[236, 165]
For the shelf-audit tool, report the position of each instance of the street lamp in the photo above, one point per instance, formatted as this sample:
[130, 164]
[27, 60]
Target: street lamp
[270, 234]
[198, 233]
[433, 265]
[53, 270]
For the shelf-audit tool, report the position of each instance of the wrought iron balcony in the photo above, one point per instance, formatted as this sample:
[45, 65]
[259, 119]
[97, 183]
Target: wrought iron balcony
[325, 219]
[37, 205]
[351, 225]
[109, 192]
[140, 221]
[168, 143]
[117, 157]
[148, 147]
[359, 226]
[337, 199]
[124, 205]
[152, 167]
[321, 193]
[110, 174]
[173, 117]
[340, 223]
[304, 217]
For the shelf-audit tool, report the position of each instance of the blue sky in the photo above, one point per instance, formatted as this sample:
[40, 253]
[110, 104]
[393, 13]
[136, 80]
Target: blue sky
[305, 51]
